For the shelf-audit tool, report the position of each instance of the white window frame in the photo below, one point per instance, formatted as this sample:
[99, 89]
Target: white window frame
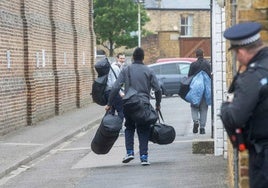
[187, 26]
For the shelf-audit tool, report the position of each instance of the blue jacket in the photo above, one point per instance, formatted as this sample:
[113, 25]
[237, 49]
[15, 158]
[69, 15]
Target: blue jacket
[199, 87]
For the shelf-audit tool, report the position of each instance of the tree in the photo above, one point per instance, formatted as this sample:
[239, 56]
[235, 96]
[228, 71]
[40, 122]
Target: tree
[116, 21]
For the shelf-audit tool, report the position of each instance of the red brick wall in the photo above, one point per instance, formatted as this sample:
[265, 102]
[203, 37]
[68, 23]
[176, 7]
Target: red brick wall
[83, 51]
[13, 94]
[38, 60]
[51, 49]
[64, 52]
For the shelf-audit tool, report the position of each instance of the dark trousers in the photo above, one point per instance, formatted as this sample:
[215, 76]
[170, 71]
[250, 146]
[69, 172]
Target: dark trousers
[143, 132]
[117, 104]
[258, 168]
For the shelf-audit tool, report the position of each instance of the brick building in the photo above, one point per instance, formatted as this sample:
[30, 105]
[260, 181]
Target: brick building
[46, 58]
[179, 27]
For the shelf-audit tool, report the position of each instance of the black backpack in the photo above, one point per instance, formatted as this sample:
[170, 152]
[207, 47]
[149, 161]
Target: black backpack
[102, 67]
[98, 88]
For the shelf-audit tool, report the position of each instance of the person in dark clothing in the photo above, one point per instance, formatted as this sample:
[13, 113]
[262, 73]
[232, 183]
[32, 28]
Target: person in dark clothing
[142, 80]
[248, 108]
[199, 113]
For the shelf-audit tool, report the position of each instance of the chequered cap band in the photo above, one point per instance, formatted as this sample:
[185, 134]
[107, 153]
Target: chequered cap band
[246, 41]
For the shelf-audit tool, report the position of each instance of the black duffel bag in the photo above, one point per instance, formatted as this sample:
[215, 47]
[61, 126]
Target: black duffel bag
[106, 134]
[161, 133]
[137, 110]
[185, 86]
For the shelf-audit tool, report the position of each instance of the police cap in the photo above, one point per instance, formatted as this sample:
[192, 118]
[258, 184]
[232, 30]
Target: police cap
[243, 34]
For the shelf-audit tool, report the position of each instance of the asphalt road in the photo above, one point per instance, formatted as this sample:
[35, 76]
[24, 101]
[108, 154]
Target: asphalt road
[73, 164]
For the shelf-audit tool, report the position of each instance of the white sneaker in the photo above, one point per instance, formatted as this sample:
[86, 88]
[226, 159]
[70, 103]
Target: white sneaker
[144, 160]
[145, 163]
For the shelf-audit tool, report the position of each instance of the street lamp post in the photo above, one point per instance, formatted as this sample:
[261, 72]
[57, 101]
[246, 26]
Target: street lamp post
[139, 22]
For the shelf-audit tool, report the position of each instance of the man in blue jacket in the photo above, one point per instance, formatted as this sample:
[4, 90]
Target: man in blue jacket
[142, 79]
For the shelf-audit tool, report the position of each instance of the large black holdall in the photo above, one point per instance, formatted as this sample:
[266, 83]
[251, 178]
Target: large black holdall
[161, 133]
[106, 134]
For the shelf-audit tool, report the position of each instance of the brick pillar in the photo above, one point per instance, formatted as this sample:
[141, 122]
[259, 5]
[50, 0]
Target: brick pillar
[63, 55]
[38, 62]
[82, 46]
[13, 93]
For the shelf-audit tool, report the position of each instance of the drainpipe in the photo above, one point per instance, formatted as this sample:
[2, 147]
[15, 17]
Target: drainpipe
[234, 70]
[233, 12]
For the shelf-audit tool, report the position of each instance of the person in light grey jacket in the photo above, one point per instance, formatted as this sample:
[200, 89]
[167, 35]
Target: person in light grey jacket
[114, 72]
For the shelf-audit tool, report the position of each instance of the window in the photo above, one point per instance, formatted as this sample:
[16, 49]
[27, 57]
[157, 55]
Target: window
[186, 25]
[156, 69]
[184, 68]
[169, 69]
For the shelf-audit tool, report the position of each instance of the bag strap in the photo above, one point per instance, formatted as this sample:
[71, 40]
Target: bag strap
[161, 116]
[129, 77]
[111, 68]
[113, 72]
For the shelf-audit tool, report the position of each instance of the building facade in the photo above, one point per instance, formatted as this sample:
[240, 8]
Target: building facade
[178, 28]
[46, 55]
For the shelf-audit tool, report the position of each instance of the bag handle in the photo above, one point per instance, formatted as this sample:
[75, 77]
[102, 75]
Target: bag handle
[161, 116]
[108, 111]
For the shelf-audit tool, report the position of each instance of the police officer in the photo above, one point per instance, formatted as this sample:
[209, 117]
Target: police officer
[248, 109]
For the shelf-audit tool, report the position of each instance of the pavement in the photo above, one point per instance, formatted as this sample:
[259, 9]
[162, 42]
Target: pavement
[28, 143]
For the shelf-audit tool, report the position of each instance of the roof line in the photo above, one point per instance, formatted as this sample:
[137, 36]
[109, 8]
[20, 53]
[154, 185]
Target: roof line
[169, 9]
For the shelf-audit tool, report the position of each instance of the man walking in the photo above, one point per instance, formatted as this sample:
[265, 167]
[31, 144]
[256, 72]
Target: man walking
[199, 112]
[142, 79]
[116, 68]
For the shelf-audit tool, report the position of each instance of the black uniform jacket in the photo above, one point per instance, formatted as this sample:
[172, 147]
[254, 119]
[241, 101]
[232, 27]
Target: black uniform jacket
[249, 109]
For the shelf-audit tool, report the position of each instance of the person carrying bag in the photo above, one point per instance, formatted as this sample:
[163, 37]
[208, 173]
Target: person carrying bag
[138, 80]
[134, 107]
